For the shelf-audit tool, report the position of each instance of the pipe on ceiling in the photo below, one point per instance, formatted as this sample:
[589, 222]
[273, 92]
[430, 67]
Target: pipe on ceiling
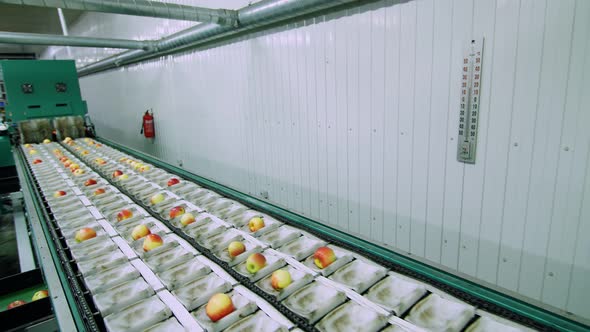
[44, 39]
[262, 13]
[139, 8]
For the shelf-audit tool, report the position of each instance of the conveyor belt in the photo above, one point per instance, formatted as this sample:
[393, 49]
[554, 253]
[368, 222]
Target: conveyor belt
[84, 311]
[298, 320]
[470, 313]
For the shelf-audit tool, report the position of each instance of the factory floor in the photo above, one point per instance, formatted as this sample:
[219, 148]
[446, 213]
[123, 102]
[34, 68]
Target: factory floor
[8, 247]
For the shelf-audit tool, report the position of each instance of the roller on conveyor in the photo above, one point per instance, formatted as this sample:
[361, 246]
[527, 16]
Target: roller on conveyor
[215, 260]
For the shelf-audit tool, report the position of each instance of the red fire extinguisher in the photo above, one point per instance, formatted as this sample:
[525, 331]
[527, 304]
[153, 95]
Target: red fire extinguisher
[147, 125]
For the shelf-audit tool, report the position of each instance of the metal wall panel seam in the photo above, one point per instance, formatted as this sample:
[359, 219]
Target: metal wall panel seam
[365, 111]
[453, 171]
[321, 108]
[429, 131]
[437, 168]
[421, 124]
[377, 121]
[292, 155]
[554, 298]
[482, 28]
[585, 118]
[519, 127]
[510, 125]
[577, 295]
[544, 159]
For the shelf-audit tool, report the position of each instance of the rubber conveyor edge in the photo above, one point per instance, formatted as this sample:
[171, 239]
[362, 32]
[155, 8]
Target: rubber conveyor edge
[68, 301]
[482, 297]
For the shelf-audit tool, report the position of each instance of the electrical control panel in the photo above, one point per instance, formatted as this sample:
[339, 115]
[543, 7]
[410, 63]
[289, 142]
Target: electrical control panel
[32, 89]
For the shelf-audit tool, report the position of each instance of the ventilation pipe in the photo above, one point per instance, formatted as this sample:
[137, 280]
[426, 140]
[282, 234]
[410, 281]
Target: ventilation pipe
[259, 14]
[44, 39]
[139, 8]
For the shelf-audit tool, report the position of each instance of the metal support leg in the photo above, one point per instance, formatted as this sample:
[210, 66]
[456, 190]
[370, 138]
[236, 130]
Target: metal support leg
[23, 241]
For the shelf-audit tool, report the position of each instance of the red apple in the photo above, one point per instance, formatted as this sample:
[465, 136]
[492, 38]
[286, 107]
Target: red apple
[85, 234]
[63, 159]
[67, 163]
[323, 257]
[89, 182]
[124, 214]
[236, 248]
[59, 193]
[255, 224]
[40, 295]
[173, 181]
[117, 173]
[37, 161]
[140, 231]
[255, 262]
[99, 191]
[15, 304]
[176, 211]
[187, 219]
[280, 279]
[219, 306]
[152, 241]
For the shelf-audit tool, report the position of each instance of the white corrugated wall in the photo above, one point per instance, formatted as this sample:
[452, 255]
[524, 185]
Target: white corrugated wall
[351, 119]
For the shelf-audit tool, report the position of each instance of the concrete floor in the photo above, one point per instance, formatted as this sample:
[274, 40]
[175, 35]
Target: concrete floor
[8, 248]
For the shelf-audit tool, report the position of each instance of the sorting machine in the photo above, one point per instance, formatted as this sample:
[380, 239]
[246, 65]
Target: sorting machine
[109, 282]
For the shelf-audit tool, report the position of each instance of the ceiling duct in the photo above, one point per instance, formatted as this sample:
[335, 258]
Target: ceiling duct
[139, 8]
[44, 39]
[262, 13]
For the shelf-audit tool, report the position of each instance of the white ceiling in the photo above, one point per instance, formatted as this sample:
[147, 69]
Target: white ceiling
[16, 18]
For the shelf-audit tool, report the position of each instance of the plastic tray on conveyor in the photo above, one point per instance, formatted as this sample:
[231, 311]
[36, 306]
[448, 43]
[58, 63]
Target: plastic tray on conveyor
[242, 305]
[167, 288]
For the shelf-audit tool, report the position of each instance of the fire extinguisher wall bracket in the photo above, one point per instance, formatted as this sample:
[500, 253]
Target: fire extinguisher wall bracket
[147, 127]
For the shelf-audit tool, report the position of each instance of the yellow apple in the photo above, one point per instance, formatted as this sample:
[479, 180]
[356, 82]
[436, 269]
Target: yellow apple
[255, 224]
[219, 306]
[40, 295]
[280, 279]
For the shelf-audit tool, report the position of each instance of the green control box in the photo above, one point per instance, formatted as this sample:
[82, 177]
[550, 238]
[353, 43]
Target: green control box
[32, 89]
